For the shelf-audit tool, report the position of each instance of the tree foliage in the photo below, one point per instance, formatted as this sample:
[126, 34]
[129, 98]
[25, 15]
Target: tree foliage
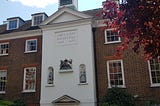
[137, 21]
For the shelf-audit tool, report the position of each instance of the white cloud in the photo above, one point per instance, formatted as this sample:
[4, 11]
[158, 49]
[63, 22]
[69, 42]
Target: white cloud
[36, 3]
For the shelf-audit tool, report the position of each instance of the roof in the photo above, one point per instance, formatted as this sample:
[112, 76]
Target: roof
[28, 24]
[94, 13]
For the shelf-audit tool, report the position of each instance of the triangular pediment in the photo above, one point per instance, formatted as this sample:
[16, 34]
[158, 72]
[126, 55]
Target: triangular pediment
[65, 99]
[64, 15]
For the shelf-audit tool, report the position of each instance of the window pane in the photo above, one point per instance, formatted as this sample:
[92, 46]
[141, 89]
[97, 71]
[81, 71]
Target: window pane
[155, 70]
[32, 45]
[30, 79]
[111, 36]
[4, 48]
[120, 82]
[3, 80]
[38, 20]
[13, 24]
[154, 80]
[115, 73]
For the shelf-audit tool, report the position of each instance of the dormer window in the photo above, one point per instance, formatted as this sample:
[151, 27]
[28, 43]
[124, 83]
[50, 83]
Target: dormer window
[14, 23]
[38, 18]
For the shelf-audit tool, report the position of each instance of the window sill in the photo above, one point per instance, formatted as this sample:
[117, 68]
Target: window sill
[30, 51]
[155, 85]
[83, 84]
[114, 42]
[117, 87]
[28, 91]
[50, 85]
[2, 92]
[3, 54]
[12, 28]
[65, 71]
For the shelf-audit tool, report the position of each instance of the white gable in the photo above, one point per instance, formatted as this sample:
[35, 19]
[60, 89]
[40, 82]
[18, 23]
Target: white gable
[65, 17]
[65, 14]
[66, 100]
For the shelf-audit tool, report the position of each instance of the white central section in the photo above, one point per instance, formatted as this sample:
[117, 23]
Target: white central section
[74, 42]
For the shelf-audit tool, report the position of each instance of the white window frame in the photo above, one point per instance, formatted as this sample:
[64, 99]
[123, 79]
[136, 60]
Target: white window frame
[108, 74]
[9, 23]
[106, 42]
[3, 92]
[26, 46]
[24, 83]
[150, 75]
[8, 48]
[33, 17]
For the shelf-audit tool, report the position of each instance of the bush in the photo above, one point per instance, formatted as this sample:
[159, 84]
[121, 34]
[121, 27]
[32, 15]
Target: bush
[106, 104]
[5, 103]
[19, 102]
[118, 97]
[152, 103]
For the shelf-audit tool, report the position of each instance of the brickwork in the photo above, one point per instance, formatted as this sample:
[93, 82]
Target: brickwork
[15, 63]
[136, 72]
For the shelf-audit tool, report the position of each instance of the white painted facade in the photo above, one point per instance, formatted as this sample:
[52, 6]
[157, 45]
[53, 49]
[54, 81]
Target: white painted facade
[67, 34]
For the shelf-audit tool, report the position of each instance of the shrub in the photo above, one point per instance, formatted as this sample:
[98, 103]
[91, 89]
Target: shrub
[152, 103]
[5, 103]
[19, 102]
[118, 97]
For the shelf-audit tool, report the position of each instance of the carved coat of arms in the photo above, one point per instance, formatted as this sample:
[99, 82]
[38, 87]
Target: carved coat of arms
[66, 64]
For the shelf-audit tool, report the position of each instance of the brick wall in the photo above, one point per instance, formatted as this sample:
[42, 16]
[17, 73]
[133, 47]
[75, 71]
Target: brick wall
[136, 73]
[15, 63]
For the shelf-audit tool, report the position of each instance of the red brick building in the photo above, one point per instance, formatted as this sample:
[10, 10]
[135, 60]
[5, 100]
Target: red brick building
[20, 61]
[21, 57]
[130, 71]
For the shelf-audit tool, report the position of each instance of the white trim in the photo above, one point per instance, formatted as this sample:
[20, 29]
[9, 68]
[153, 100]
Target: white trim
[151, 82]
[49, 85]
[21, 34]
[112, 42]
[28, 91]
[65, 10]
[67, 24]
[65, 71]
[8, 49]
[2, 92]
[108, 73]
[26, 44]
[83, 83]
[106, 42]
[24, 77]
[99, 23]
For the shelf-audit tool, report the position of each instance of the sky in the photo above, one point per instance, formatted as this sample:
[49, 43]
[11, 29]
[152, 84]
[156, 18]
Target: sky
[24, 8]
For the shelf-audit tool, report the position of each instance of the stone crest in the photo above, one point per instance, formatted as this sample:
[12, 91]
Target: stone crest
[66, 64]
